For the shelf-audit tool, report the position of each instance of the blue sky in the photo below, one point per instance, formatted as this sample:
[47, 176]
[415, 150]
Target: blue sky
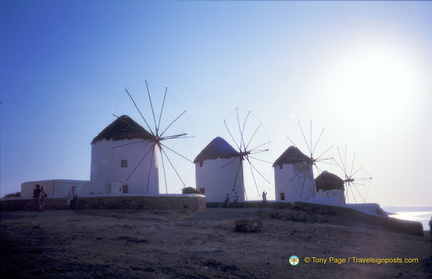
[361, 70]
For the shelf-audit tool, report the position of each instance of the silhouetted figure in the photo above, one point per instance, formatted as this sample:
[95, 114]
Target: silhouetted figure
[42, 198]
[227, 201]
[264, 196]
[430, 228]
[236, 197]
[72, 197]
[36, 196]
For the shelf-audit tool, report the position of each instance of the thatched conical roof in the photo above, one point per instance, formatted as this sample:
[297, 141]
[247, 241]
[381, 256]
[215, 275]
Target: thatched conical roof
[122, 128]
[217, 148]
[328, 181]
[291, 156]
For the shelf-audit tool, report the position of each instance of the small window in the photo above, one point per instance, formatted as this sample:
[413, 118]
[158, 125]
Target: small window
[202, 190]
[124, 163]
[125, 189]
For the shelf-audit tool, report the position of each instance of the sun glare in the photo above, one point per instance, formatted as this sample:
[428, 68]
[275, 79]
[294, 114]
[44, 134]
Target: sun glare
[374, 83]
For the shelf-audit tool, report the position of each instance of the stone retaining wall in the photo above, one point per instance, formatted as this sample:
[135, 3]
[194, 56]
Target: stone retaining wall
[180, 202]
[354, 216]
[252, 204]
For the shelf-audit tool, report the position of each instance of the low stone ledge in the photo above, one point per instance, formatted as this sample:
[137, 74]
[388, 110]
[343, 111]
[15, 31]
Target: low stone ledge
[252, 204]
[354, 216]
[161, 202]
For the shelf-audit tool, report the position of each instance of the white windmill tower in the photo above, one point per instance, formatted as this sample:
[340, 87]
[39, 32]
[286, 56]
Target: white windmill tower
[329, 185]
[293, 176]
[244, 168]
[109, 163]
[216, 167]
[139, 162]
[294, 171]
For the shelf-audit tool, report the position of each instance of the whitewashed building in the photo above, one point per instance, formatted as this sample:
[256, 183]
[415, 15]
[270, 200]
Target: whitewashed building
[293, 175]
[123, 161]
[219, 171]
[330, 185]
[60, 188]
[125, 152]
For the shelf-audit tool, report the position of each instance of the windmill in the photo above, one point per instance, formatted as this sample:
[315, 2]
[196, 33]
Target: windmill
[329, 185]
[294, 170]
[250, 139]
[168, 150]
[355, 178]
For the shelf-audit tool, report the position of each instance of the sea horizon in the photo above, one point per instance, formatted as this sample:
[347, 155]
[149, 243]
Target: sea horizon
[417, 214]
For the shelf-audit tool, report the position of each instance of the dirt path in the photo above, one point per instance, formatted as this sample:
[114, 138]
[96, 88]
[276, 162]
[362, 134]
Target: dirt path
[169, 244]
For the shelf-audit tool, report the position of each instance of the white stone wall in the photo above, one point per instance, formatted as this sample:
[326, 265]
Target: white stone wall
[106, 165]
[59, 188]
[339, 195]
[218, 177]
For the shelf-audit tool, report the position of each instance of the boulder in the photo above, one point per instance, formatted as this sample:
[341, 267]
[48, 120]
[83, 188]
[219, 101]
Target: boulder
[249, 225]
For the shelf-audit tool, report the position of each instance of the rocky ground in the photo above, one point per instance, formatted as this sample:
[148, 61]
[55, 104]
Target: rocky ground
[205, 244]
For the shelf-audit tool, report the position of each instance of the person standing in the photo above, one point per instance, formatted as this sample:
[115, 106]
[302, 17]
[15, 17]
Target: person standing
[36, 196]
[42, 198]
[430, 228]
[227, 201]
[236, 197]
[264, 196]
[72, 197]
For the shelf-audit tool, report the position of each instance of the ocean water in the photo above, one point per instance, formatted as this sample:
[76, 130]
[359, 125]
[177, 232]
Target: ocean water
[419, 216]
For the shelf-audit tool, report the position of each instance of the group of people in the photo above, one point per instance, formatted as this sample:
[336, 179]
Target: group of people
[40, 196]
[236, 197]
[227, 200]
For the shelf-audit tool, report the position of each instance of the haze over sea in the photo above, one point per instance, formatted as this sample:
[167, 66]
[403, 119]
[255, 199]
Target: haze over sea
[418, 214]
